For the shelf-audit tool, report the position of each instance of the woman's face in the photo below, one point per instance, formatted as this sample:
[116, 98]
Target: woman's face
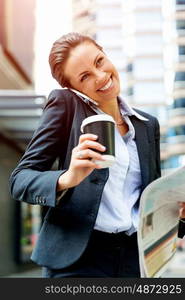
[89, 71]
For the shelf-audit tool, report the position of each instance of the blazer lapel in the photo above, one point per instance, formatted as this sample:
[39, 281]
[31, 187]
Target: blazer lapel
[142, 142]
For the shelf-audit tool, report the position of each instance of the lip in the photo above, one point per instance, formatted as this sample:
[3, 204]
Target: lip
[109, 88]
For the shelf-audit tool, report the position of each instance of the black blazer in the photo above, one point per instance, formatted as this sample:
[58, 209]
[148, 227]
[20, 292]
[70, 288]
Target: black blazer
[67, 226]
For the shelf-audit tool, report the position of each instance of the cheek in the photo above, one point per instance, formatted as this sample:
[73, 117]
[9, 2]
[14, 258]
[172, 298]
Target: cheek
[114, 70]
[116, 74]
[77, 85]
[88, 86]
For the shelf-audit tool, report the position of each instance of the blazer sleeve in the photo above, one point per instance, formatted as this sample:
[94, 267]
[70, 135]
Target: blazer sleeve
[33, 181]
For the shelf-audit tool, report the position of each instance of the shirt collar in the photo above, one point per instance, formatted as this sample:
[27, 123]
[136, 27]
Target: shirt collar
[125, 108]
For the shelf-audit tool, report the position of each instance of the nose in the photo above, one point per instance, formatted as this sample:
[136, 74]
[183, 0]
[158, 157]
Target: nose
[100, 76]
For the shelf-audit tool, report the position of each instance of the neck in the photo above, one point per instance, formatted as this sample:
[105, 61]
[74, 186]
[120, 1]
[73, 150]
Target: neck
[112, 109]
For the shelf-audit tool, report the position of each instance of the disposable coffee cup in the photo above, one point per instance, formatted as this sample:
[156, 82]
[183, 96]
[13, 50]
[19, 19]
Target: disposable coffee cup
[104, 127]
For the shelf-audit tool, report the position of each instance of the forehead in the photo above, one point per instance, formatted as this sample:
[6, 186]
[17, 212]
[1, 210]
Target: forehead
[83, 55]
[85, 48]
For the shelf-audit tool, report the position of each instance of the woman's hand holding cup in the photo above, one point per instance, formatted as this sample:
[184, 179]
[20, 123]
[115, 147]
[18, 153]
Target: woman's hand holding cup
[82, 162]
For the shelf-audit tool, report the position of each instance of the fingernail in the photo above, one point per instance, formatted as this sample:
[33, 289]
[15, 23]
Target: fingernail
[103, 148]
[103, 158]
[95, 136]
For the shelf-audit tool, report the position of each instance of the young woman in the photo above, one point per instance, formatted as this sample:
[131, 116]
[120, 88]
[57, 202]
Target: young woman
[90, 229]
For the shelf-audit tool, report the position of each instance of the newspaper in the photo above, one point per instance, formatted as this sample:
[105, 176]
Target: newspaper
[158, 226]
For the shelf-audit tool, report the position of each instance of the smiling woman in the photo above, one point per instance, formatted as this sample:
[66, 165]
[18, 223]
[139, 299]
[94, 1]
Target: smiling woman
[60, 53]
[94, 74]
[90, 229]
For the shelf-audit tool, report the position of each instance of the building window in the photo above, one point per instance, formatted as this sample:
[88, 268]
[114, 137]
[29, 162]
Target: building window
[129, 68]
[180, 102]
[181, 50]
[130, 91]
[180, 76]
[176, 130]
[173, 162]
[180, 2]
[180, 24]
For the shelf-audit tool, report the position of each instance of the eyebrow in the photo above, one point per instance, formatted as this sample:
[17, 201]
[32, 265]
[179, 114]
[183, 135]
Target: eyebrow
[84, 72]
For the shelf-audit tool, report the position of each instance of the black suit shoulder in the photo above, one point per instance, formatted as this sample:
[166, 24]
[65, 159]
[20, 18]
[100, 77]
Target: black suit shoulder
[60, 96]
[60, 93]
[63, 95]
[146, 115]
[153, 122]
[68, 99]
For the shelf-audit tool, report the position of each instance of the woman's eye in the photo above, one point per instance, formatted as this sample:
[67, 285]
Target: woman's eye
[84, 77]
[99, 61]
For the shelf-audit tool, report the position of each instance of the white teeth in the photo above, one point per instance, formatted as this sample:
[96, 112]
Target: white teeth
[105, 87]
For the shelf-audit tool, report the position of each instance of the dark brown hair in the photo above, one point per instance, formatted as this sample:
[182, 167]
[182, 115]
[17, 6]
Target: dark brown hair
[60, 52]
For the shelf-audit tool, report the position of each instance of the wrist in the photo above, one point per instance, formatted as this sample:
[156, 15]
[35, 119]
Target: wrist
[64, 182]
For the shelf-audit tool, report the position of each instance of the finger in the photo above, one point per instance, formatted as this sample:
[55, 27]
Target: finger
[91, 144]
[88, 154]
[86, 163]
[87, 136]
[182, 213]
[181, 204]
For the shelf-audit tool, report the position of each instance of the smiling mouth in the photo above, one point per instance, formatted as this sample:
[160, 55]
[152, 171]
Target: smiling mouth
[106, 86]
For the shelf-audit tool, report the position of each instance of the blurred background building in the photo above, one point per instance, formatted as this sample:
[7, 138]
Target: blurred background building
[174, 67]
[16, 45]
[145, 39]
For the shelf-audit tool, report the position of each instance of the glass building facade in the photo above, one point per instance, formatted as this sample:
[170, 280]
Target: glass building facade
[175, 75]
